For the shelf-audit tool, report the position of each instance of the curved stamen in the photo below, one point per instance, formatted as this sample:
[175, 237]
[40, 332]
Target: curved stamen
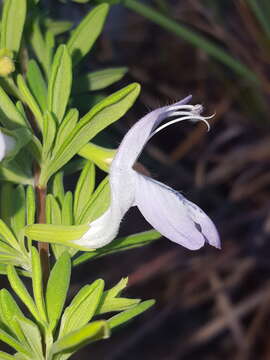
[187, 116]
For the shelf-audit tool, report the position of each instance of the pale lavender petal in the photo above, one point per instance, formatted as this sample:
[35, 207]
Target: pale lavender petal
[206, 225]
[172, 215]
[136, 138]
[7, 144]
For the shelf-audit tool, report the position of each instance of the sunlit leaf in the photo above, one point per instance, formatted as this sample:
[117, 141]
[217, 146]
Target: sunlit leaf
[127, 315]
[11, 117]
[98, 118]
[58, 187]
[37, 284]
[57, 288]
[66, 126]
[37, 84]
[82, 307]
[13, 18]
[11, 341]
[85, 35]
[19, 288]
[94, 331]
[49, 131]
[101, 156]
[98, 80]
[9, 310]
[30, 205]
[120, 244]
[60, 83]
[32, 335]
[18, 217]
[84, 189]
[67, 210]
[30, 100]
[97, 204]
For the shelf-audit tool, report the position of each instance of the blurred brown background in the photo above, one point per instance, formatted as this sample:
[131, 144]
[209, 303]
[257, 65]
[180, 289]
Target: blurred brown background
[211, 304]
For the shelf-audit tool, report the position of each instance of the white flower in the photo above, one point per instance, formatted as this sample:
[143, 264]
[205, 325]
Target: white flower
[7, 145]
[165, 209]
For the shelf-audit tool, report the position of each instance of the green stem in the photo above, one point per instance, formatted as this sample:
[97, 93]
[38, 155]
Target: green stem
[192, 37]
[42, 246]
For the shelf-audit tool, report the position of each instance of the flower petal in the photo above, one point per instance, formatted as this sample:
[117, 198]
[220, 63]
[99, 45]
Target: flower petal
[7, 144]
[174, 216]
[101, 231]
[136, 138]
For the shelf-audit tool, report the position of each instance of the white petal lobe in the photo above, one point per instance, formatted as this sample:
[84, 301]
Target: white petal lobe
[172, 215]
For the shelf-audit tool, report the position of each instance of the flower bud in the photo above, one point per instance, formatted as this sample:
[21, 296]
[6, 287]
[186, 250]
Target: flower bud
[6, 62]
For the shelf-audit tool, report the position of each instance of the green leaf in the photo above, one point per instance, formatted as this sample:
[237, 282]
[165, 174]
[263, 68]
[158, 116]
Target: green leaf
[30, 101]
[260, 14]
[94, 331]
[19, 288]
[10, 116]
[84, 189]
[54, 216]
[6, 204]
[111, 109]
[60, 83]
[58, 27]
[73, 166]
[55, 210]
[98, 80]
[8, 236]
[3, 271]
[67, 210]
[116, 304]
[82, 308]
[13, 18]
[127, 315]
[98, 118]
[37, 84]
[85, 35]
[110, 302]
[14, 171]
[6, 249]
[97, 204]
[6, 338]
[57, 234]
[30, 205]
[32, 336]
[65, 128]
[49, 50]
[18, 217]
[9, 310]
[101, 156]
[37, 284]
[57, 288]
[58, 187]
[20, 107]
[5, 356]
[19, 356]
[117, 289]
[120, 244]
[9, 260]
[38, 44]
[49, 131]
